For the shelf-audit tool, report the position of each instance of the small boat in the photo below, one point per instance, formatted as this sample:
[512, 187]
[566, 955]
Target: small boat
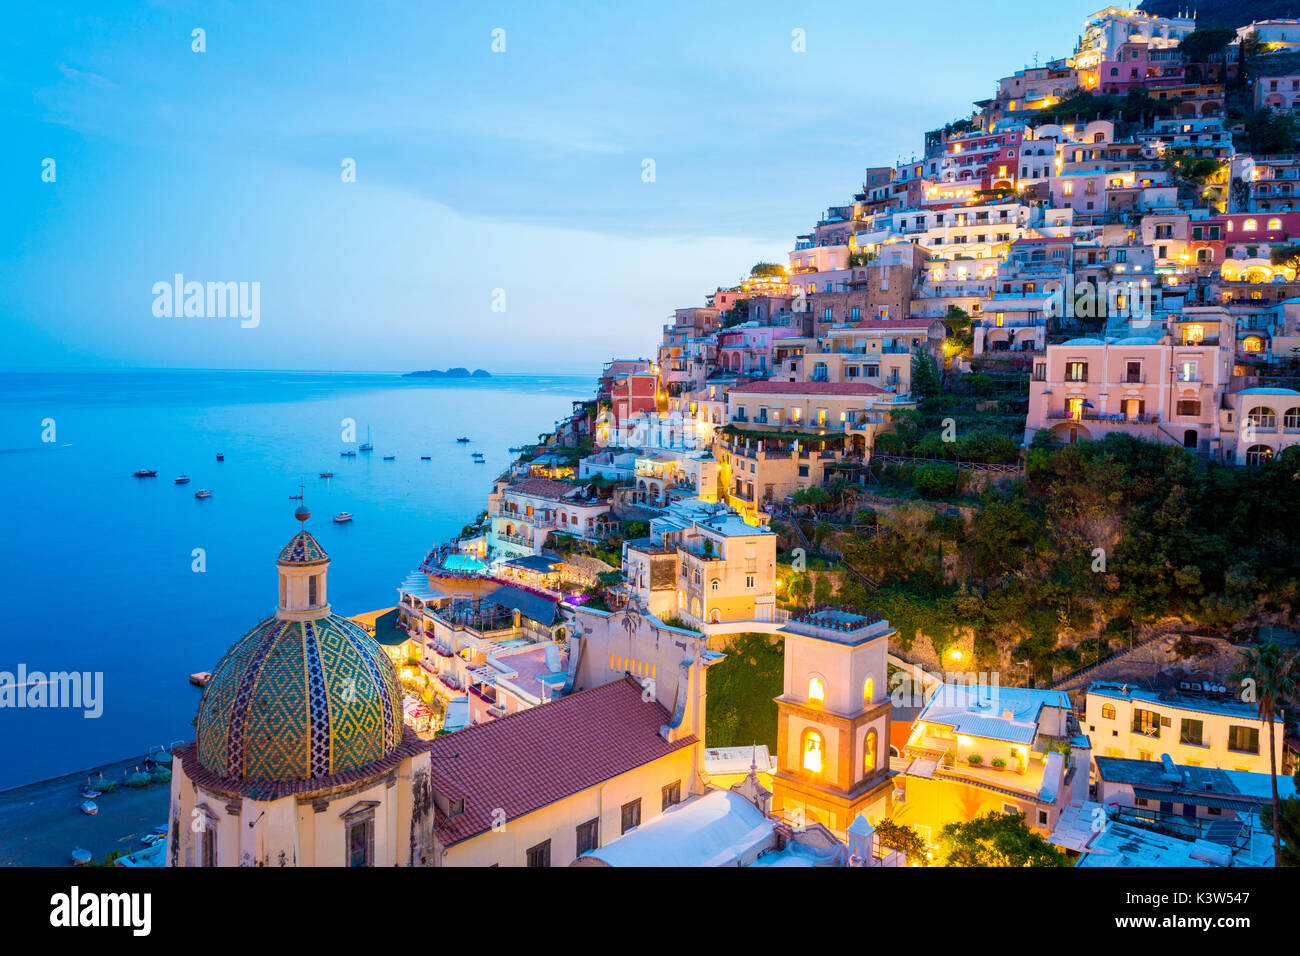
[343, 517]
[89, 808]
[91, 794]
[146, 473]
[367, 446]
[295, 497]
[136, 779]
[149, 839]
[160, 775]
[182, 480]
[480, 461]
[390, 457]
[203, 493]
[476, 454]
[462, 440]
[515, 451]
[102, 784]
[220, 456]
[327, 474]
[79, 856]
[200, 679]
[426, 458]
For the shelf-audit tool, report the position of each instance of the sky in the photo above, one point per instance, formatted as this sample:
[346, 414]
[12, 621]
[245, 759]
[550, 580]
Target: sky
[404, 196]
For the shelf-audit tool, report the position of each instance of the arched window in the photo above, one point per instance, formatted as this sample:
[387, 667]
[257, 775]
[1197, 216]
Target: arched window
[1250, 225]
[868, 692]
[1108, 711]
[812, 747]
[1274, 224]
[713, 585]
[1261, 416]
[869, 753]
[1258, 454]
[816, 690]
[1292, 418]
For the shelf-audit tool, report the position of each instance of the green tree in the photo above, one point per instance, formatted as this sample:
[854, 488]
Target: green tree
[1199, 45]
[927, 379]
[997, 839]
[1273, 674]
[1288, 828]
[957, 322]
[899, 836]
[1285, 256]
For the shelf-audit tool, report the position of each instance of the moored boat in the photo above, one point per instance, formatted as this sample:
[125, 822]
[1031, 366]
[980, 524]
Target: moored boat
[327, 474]
[79, 856]
[200, 679]
[181, 479]
[89, 808]
[426, 458]
[220, 456]
[343, 517]
[203, 493]
[146, 473]
[390, 457]
[462, 440]
[347, 454]
[367, 446]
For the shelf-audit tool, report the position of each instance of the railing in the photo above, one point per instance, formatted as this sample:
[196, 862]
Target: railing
[1116, 419]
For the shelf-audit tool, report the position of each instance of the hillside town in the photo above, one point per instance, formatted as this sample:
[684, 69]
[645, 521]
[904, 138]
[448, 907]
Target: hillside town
[972, 518]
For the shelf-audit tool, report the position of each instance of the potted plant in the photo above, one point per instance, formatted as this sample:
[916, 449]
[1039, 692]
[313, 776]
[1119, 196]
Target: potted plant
[948, 758]
[974, 760]
[999, 763]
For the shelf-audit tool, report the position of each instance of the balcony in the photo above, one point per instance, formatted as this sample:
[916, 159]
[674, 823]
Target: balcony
[1115, 419]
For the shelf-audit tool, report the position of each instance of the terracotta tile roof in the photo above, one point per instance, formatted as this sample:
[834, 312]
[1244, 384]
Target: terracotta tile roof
[807, 388]
[542, 487]
[527, 760]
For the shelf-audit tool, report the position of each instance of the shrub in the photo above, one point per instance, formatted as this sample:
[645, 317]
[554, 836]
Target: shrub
[974, 760]
[998, 763]
[935, 480]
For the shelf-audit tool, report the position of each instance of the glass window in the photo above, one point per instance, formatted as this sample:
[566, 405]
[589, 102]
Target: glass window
[631, 814]
[588, 836]
[540, 855]
[1191, 732]
[672, 794]
[1243, 739]
[869, 753]
[361, 843]
[816, 689]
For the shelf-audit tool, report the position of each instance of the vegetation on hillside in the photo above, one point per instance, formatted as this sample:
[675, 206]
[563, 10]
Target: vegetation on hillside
[741, 691]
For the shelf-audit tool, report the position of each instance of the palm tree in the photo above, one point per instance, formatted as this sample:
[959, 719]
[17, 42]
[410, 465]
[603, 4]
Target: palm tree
[1273, 675]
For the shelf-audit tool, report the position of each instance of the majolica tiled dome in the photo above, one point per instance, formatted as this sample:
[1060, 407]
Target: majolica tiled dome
[298, 700]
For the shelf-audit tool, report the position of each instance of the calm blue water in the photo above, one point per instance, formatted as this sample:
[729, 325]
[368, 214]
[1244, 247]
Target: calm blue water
[96, 568]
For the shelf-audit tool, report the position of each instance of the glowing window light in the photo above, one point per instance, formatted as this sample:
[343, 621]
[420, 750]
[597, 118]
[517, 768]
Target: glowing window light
[816, 689]
[813, 745]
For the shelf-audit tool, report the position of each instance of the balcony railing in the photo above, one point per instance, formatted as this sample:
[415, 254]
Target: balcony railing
[1114, 419]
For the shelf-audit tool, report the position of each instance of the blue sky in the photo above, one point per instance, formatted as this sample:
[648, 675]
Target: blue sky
[475, 170]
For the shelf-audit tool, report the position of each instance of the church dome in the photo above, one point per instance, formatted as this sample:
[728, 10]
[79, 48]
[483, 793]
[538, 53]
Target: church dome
[300, 700]
[305, 694]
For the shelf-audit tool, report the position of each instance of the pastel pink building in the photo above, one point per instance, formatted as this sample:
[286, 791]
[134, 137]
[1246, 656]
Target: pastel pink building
[747, 349]
[1163, 385]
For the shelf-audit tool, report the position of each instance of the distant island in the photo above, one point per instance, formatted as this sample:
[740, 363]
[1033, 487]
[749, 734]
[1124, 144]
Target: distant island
[450, 373]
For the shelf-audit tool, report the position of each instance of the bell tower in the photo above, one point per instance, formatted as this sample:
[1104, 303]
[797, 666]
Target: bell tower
[833, 719]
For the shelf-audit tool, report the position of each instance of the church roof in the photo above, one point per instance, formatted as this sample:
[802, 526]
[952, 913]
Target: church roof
[303, 549]
[299, 700]
[533, 758]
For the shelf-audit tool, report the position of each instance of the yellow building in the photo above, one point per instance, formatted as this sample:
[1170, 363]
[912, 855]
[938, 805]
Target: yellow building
[1211, 728]
[981, 748]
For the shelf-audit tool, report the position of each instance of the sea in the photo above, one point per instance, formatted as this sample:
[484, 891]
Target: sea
[139, 581]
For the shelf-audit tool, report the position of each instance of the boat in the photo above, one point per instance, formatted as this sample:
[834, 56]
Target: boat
[389, 457]
[515, 451]
[480, 461]
[327, 474]
[203, 493]
[343, 517]
[102, 784]
[89, 808]
[200, 679]
[136, 779]
[462, 440]
[347, 454]
[426, 458]
[182, 480]
[295, 497]
[146, 473]
[476, 454]
[160, 756]
[367, 446]
[220, 456]
[149, 839]
[160, 775]
[91, 794]
[79, 856]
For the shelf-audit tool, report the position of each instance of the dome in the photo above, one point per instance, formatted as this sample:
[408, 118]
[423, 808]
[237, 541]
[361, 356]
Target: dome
[300, 700]
[303, 549]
